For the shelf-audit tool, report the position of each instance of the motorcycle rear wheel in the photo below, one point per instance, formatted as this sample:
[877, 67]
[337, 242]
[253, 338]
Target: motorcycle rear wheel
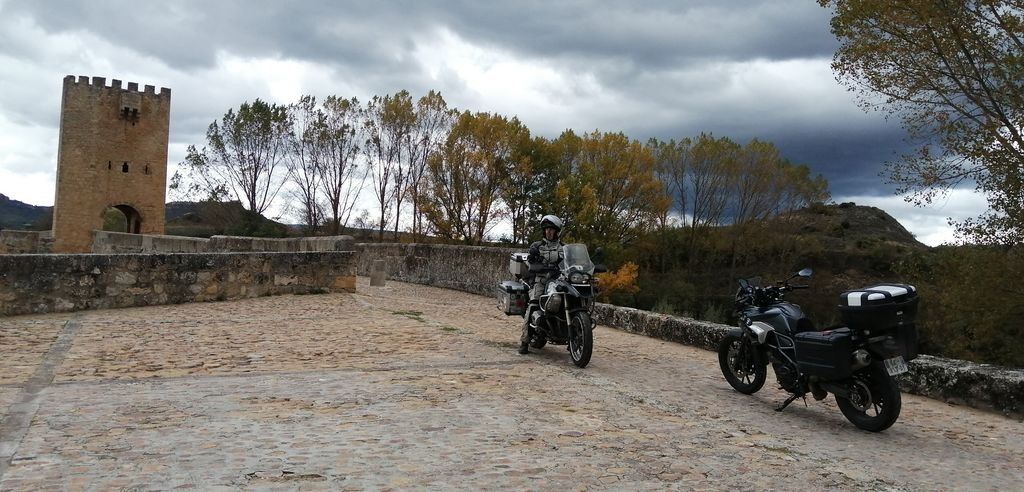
[581, 339]
[742, 364]
[874, 403]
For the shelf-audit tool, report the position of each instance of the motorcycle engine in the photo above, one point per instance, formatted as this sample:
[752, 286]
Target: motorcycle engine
[785, 374]
[537, 320]
[554, 303]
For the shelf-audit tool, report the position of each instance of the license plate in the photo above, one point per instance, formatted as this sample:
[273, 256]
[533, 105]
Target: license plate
[895, 365]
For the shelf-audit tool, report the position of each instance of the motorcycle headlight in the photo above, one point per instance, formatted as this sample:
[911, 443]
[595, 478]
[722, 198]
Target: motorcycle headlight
[577, 278]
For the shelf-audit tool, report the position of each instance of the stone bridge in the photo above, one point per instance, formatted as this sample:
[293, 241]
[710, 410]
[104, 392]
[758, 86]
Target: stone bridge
[409, 386]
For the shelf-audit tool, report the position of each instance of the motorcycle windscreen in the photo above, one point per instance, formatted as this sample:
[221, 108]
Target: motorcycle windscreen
[576, 258]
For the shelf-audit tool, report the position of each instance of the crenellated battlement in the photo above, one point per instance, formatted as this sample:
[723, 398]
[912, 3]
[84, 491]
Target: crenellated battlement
[112, 153]
[101, 83]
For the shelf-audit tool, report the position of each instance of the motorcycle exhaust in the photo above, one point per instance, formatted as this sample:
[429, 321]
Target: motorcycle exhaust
[861, 359]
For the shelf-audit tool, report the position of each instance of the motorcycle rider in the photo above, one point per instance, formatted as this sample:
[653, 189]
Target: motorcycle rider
[548, 253]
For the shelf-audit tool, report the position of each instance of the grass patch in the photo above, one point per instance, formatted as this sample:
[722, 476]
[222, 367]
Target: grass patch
[781, 450]
[451, 329]
[416, 315]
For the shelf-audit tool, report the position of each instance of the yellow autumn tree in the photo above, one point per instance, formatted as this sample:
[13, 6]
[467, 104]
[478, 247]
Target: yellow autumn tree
[618, 281]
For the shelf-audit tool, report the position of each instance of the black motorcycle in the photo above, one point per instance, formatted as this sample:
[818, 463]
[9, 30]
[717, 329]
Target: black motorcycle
[855, 362]
[563, 315]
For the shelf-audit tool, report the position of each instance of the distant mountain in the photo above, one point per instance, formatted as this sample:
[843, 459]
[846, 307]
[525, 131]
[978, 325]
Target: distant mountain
[205, 219]
[20, 215]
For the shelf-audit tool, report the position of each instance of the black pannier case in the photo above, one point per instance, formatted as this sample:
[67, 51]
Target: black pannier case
[512, 297]
[825, 353]
[879, 307]
[884, 309]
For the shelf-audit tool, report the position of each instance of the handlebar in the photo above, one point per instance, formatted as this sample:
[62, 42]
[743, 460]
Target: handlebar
[540, 268]
[763, 296]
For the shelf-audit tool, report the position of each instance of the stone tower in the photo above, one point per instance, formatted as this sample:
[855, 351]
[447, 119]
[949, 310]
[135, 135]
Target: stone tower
[112, 153]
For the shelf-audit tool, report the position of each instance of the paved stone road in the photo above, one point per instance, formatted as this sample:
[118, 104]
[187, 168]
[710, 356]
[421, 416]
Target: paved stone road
[410, 387]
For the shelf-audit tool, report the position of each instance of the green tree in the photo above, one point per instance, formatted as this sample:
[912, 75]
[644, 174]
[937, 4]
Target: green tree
[969, 309]
[242, 157]
[466, 179]
[553, 161]
[953, 71]
[611, 192]
[532, 181]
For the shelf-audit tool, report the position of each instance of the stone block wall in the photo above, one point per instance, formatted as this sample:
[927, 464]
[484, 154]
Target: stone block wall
[57, 283]
[478, 269]
[474, 269]
[23, 242]
[282, 245]
[106, 242]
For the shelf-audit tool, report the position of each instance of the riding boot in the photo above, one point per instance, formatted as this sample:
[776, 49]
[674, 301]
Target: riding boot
[524, 348]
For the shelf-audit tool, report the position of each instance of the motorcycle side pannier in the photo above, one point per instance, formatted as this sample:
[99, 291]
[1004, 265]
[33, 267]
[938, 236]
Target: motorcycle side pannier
[517, 264]
[512, 297]
[825, 353]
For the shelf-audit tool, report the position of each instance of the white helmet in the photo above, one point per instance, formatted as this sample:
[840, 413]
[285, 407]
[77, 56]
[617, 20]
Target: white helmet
[551, 221]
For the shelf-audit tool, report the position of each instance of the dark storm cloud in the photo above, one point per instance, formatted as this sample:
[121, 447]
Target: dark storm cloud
[188, 35]
[651, 69]
[649, 35]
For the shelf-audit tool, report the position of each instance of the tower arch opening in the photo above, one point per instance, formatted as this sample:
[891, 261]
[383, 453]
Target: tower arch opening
[122, 218]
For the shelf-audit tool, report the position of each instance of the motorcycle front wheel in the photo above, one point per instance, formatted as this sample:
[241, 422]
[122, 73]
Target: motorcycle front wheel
[581, 339]
[742, 364]
[874, 401]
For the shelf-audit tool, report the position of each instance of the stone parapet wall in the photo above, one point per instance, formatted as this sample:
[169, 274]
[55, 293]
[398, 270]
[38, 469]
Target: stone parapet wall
[57, 283]
[474, 269]
[22, 242]
[478, 269]
[106, 242]
[282, 245]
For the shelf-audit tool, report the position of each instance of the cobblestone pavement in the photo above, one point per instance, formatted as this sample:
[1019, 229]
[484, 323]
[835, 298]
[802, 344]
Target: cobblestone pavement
[410, 387]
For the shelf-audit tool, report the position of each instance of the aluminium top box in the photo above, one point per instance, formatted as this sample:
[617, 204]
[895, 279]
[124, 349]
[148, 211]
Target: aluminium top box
[517, 264]
[879, 307]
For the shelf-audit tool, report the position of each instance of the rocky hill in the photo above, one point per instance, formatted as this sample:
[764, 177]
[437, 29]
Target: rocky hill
[850, 226]
[19, 215]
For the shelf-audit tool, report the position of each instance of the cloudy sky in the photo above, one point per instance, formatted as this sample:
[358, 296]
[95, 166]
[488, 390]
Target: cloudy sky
[666, 69]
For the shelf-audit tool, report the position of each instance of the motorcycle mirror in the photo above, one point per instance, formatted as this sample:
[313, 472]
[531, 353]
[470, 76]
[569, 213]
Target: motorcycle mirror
[806, 272]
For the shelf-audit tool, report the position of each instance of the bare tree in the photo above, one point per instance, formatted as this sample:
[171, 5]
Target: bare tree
[303, 166]
[389, 121]
[340, 130]
[433, 122]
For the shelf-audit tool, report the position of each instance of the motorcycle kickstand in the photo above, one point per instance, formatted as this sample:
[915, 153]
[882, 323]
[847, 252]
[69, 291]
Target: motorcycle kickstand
[790, 400]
